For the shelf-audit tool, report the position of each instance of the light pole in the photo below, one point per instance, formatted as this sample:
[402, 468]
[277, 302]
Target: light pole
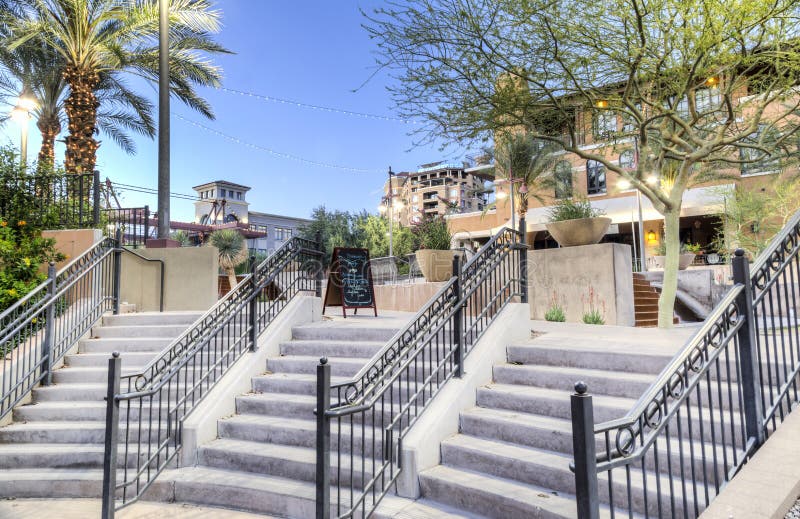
[387, 203]
[163, 119]
[22, 115]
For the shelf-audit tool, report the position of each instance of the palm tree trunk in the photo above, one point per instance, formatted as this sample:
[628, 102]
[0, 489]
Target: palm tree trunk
[232, 278]
[49, 127]
[81, 107]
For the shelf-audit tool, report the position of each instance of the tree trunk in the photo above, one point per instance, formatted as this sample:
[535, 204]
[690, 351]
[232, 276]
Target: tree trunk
[232, 278]
[49, 127]
[81, 107]
[666, 303]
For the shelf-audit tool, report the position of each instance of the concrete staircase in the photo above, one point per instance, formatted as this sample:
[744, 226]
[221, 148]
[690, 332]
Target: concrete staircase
[54, 446]
[264, 458]
[511, 458]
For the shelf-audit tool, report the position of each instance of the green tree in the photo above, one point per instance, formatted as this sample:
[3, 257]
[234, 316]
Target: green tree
[99, 40]
[335, 228]
[232, 250]
[674, 73]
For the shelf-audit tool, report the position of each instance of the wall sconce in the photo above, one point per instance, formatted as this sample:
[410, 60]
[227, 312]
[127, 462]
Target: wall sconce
[712, 81]
[601, 104]
[651, 237]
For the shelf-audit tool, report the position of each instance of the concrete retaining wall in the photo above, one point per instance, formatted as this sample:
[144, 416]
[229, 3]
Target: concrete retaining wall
[73, 242]
[190, 278]
[568, 274]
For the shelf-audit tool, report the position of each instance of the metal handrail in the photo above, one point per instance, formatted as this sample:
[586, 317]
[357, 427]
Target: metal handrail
[161, 271]
[426, 353]
[192, 365]
[788, 229]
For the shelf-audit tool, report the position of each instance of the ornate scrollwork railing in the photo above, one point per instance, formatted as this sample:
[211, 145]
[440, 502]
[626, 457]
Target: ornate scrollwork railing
[372, 412]
[711, 407]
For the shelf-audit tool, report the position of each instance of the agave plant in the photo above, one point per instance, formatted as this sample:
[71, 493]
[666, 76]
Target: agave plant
[232, 251]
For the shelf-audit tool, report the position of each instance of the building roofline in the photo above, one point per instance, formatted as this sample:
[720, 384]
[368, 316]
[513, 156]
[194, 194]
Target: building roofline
[221, 182]
[258, 213]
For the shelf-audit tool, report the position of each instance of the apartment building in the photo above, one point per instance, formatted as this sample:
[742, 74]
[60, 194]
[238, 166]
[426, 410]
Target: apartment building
[224, 202]
[436, 189]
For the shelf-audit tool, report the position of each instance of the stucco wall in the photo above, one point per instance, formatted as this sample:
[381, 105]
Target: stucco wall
[568, 274]
[405, 297]
[73, 242]
[190, 278]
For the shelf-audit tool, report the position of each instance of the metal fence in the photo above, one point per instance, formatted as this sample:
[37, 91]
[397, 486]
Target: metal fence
[52, 201]
[144, 421]
[361, 422]
[133, 222]
[710, 409]
[41, 327]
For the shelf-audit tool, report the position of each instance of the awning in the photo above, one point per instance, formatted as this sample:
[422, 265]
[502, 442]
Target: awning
[697, 201]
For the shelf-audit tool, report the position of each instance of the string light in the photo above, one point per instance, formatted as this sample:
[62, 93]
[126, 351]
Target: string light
[151, 191]
[318, 107]
[273, 152]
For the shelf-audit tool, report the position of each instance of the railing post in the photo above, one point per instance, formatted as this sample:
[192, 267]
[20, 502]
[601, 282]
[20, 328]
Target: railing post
[323, 478]
[253, 310]
[81, 199]
[112, 437]
[117, 268]
[748, 350]
[583, 448]
[146, 225]
[49, 322]
[96, 199]
[458, 318]
[523, 262]
[319, 273]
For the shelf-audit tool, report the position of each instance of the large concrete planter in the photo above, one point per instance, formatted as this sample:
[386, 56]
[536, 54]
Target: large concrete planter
[436, 265]
[581, 231]
[683, 261]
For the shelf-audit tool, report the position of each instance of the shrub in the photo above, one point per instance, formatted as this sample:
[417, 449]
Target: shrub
[690, 248]
[432, 234]
[569, 209]
[596, 308]
[23, 252]
[556, 311]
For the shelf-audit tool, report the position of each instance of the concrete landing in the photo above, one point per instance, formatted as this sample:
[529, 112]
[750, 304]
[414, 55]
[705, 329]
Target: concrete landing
[84, 508]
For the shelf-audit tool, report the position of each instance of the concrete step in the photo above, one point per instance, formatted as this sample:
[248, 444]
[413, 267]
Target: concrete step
[250, 492]
[290, 383]
[97, 360]
[394, 507]
[614, 358]
[124, 345]
[51, 483]
[75, 411]
[612, 383]
[86, 393]
[302, 407]
[152, 318]
[297, 433]
[317, 349]
[340, 367]
[130, 332]
[90, 375]
[56, 456]
[493, 497]
[335, 331]
[65, 432]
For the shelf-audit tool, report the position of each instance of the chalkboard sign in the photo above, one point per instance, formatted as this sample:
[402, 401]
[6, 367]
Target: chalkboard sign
[350, 281]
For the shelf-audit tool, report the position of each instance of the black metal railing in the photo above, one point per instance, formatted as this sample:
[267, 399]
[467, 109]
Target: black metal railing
[144, 420]
[361, 422]
[134, 222]
[51, 201]
[41, 327]
[710, 409]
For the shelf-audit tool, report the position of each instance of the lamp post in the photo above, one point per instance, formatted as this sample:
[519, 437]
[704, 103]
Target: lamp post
[163, 119]
[388, 203]
[22, 115]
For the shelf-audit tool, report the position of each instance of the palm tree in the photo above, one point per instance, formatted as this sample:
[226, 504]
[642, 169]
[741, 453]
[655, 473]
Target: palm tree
[36, 67]
[232, 251]
[519, 156]
[98, 40]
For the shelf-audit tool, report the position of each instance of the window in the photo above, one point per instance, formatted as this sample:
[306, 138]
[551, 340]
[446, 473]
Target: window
[605, 124]
[759, 161]
[414, 199]
[707, 99]
[453, 193]
[627, 159]
[563, 177]
[595, 178]
[238, 195]
[231, 218]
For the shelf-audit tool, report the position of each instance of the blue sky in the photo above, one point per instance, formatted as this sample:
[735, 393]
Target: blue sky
[312, 52]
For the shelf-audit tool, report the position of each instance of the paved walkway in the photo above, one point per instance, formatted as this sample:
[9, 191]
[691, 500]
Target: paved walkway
[90, 508]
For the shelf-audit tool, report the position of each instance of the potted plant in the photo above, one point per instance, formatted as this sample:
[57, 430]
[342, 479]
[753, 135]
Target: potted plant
[688, 253]
[576, 222]
[434, 257]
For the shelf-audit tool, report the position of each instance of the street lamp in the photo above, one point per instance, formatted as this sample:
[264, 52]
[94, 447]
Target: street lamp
[21, 114]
